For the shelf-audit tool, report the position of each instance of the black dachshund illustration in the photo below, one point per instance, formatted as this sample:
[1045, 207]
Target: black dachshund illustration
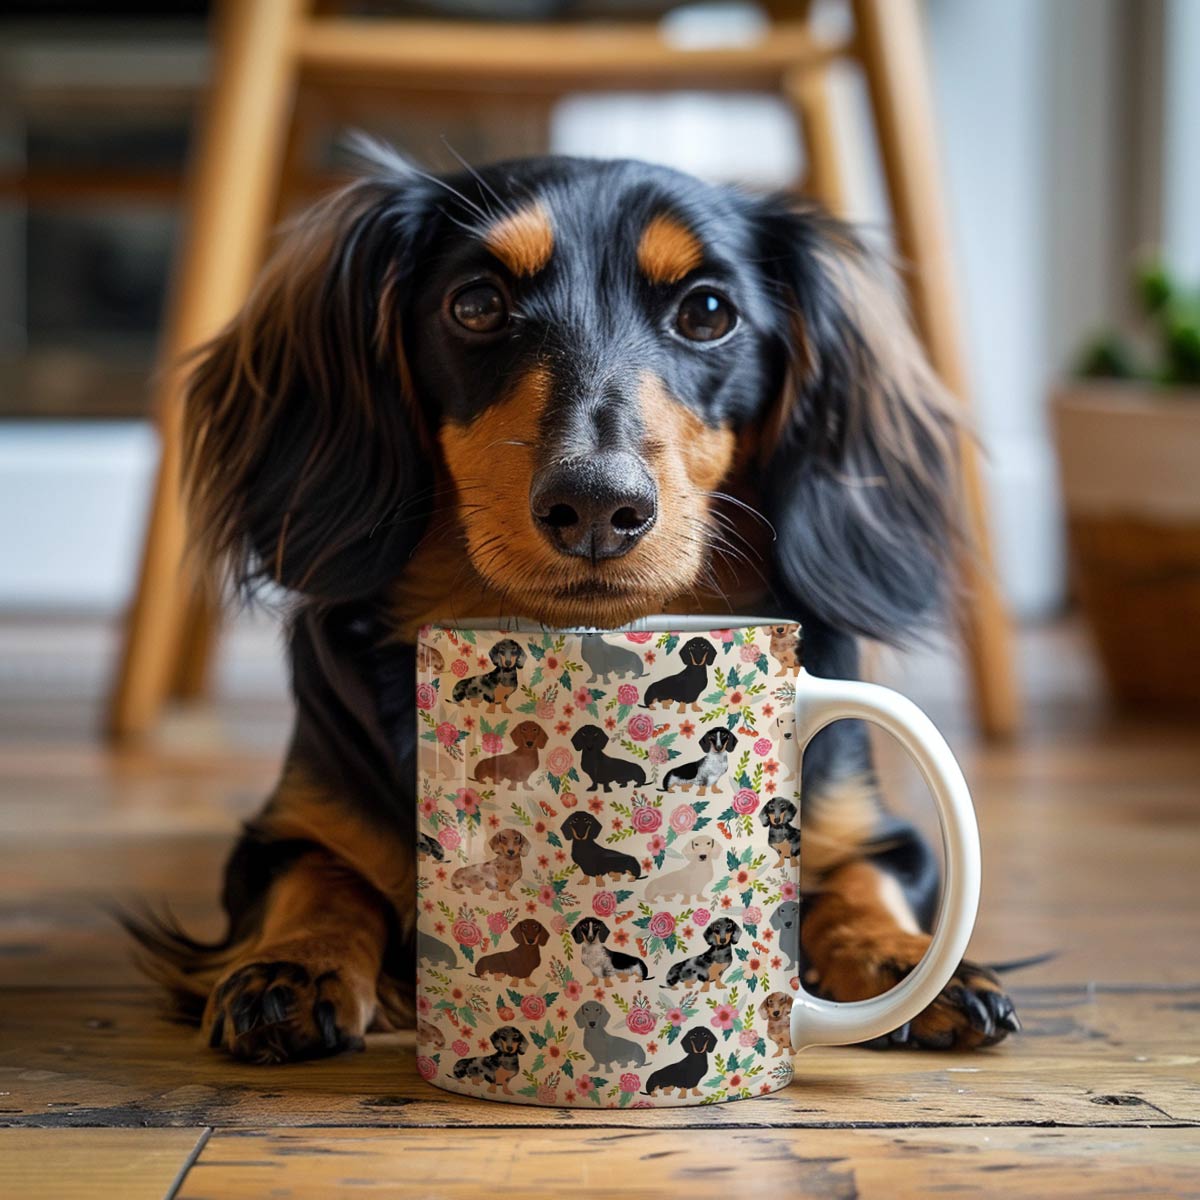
[499, 683]
[705, 772]
[684, 688]
[687, 1073]
[596, 861]
[496, 1068]
[708, 967]
[606, 965]
[603, 769]
[784, 837]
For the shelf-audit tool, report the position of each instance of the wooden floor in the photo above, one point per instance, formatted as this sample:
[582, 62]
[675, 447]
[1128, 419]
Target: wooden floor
[1091, 831]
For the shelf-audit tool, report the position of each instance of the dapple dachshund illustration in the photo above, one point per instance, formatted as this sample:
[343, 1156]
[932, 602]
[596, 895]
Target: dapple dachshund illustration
[785, 649]
[603, 769]
[685, 687]
[498, 684]
[596, 861]
[709, 966]
[776, 1010]
[430, 847]
[497, 1068]
[498, 874]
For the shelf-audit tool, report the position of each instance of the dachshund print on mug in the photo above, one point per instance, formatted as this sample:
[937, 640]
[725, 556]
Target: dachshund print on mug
[608, 864]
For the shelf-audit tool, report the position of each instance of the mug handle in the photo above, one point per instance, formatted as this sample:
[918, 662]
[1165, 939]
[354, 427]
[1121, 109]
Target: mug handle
[818, 703]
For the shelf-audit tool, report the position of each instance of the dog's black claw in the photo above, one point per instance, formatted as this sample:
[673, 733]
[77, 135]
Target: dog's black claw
[977, 1013]
[277, 1003]
[900, 1037]
[246, 1013]
[326, 1018]
[1005, 1015]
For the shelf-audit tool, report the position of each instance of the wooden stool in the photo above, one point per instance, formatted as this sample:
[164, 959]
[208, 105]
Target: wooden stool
[267, 50]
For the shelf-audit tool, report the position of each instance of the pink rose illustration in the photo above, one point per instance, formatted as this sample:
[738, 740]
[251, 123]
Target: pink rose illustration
[683, 818]
[745, 801]
[639, 637]
[762, 747]
[423, 1006]
[573, 989]
[722, 635]
[447, 734]
[642, 1104]
[627, 694]
[630, 1082]
[505, 1013]
[659, 754]
[461, 1048]
[545, 709]
[701, 917]
[559, 760]
[459, 667]
[493, 743]
[558, 923]
[640, 1021]
[604, 904]
[497, 923]
[753, 915]
[748, 1038]
[641, 726]
[547, 1094]
[533, 1007]
[662, 925]
[569, 799]
[426, 695]
[646, 819]
[750, 653]
[426, 1067]
[466, 933]
[449, 838]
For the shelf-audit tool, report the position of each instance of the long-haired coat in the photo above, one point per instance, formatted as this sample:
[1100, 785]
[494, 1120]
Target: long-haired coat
[580, 392]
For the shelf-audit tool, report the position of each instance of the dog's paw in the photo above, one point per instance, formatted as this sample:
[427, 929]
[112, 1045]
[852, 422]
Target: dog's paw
[972, 1010]
[277, 1010]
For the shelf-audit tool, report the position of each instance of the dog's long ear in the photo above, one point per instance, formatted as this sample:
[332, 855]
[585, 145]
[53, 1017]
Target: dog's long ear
[860, 456]
[301, 434]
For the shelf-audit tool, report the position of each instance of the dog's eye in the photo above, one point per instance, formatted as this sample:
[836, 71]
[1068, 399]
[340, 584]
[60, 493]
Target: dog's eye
[481, 308]
[705, 316]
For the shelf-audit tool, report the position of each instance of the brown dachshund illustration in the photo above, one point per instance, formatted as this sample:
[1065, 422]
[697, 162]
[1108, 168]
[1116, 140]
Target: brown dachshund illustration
[776, 1010]
[428, 1034]
[498, 874]
[523, 959]
[517, 765]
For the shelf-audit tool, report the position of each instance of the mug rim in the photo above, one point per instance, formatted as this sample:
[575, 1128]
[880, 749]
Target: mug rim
[659, 623]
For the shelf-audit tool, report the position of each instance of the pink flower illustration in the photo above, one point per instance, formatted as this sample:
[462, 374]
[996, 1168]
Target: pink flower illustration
[641, 726]
[659, 754]
[449, 838]
[748, 1038]
[642, 1104]
[497, 923]
[639, 637]
[640, 1021]
[569, 799]
[583, 1084]
[447, 734]
[546, 1094]
[701, 917]
[604, 904]
[558, 923]
[627, 694]
[745, 801]
[428, 806]
[657, 844]
[466, 933]
[683, 818]
[582, 697]
[493, 743]
[467, 800]
[426, 1067]
[787, 889]
[533, 1007]
[723, 1016]
[662, 925]
[753, 915]
[762, 747]
[572, 989]
[559, 760]
[675, 1016]
[545, 709]
[426, 696]
[459, 667]
[646, 819]
[630, 1082]
[461, 1048]
[750, 653]
[546, 894]
[505, 1013]
[722, 635]
[423, 1005]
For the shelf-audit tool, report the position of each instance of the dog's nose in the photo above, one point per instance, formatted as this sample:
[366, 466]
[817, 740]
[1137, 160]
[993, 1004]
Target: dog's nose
[598, 507]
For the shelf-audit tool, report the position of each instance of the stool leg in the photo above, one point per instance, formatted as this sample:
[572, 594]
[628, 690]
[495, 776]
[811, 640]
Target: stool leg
[893, 58]
[808, 92]
[231, 199]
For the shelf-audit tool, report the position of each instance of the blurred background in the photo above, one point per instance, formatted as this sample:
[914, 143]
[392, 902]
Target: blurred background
[1068, 156]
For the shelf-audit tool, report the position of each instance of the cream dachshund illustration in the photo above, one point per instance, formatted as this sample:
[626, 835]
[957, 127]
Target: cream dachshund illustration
[687, 882]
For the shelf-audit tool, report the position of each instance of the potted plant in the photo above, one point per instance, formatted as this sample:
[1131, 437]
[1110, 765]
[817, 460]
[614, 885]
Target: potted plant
[1127, 427]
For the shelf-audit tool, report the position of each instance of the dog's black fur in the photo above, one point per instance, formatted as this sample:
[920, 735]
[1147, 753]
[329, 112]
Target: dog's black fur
[581, 829]
[604, 769]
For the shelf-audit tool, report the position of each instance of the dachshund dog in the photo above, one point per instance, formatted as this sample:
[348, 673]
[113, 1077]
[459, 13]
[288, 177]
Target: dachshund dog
[709, 966]
[705, 772]
[430, 847]
[606, 965]
[581, 392]
[684, 688]
[776, 1010]
[429, 658]
[689, 882]
[608, 1052]
[517, 765]
[784, 838]
[428, 1034]
[497, 1068]
[785, 920]
[523, 959]
[434, 952]
[498, 684]
[593, 860]
[497, 875]
[605, 660]
[785, 649]
[603, 769]
[687, 1073]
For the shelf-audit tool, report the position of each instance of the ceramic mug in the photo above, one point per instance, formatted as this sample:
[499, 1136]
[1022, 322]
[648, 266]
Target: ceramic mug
[609, 839]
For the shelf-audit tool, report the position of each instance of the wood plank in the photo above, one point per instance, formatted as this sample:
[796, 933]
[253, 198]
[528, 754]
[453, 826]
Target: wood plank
[1086, 1058]
[630, 1164]
[127, 1164]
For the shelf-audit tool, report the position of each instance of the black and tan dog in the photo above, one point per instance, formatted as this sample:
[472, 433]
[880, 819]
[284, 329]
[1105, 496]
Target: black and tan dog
[606, 965]
[594, 861]
[581, 392]
[707, 772]
[686, 686]
[497, 1068]
[498, 684]
[784, 837]
[604, 769]
[707, 967]
[687, 1073]
[519, 963]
